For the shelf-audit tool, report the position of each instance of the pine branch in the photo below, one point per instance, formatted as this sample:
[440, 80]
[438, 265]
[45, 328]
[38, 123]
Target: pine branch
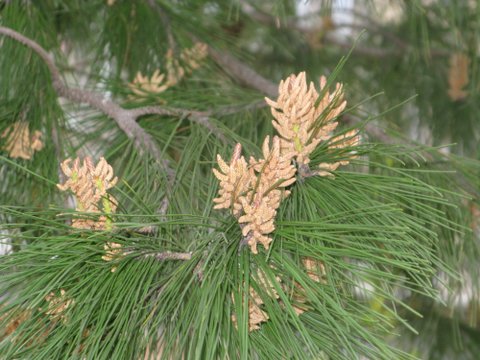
[125, 118]
[200, 117]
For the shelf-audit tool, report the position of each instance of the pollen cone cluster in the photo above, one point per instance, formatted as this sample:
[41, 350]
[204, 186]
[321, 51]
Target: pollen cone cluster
[192, 57]
[316, 271]
[253, 192]
[303, 118]
[113, 251]
[256, 315]
[458, 76]
[235, 181]
[58, 304]
[15, 318]
[175, 70]
[143, 85]
[19, 143]
[89, 184]
[273, 173]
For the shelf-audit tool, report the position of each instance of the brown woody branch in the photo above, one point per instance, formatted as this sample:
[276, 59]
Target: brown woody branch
[243, 73]
[167, 255]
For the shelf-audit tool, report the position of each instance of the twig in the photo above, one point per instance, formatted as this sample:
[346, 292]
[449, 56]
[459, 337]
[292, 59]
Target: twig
[243, 73]
[372, 130]
[163, 256]
[199, 117]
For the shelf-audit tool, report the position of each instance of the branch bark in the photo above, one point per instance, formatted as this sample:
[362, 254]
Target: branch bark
[243, 73]
[163, 256]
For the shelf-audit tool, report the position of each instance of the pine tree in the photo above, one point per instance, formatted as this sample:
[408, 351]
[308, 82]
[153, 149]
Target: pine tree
[239, 179]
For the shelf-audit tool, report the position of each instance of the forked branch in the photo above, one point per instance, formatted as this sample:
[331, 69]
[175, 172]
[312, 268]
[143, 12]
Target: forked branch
[125, 118]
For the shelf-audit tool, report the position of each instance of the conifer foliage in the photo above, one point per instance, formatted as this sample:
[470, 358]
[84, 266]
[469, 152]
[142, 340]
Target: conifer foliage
[176, 184]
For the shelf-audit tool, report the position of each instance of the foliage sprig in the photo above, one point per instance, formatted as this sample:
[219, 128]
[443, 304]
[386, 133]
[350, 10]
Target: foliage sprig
[303, 118]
